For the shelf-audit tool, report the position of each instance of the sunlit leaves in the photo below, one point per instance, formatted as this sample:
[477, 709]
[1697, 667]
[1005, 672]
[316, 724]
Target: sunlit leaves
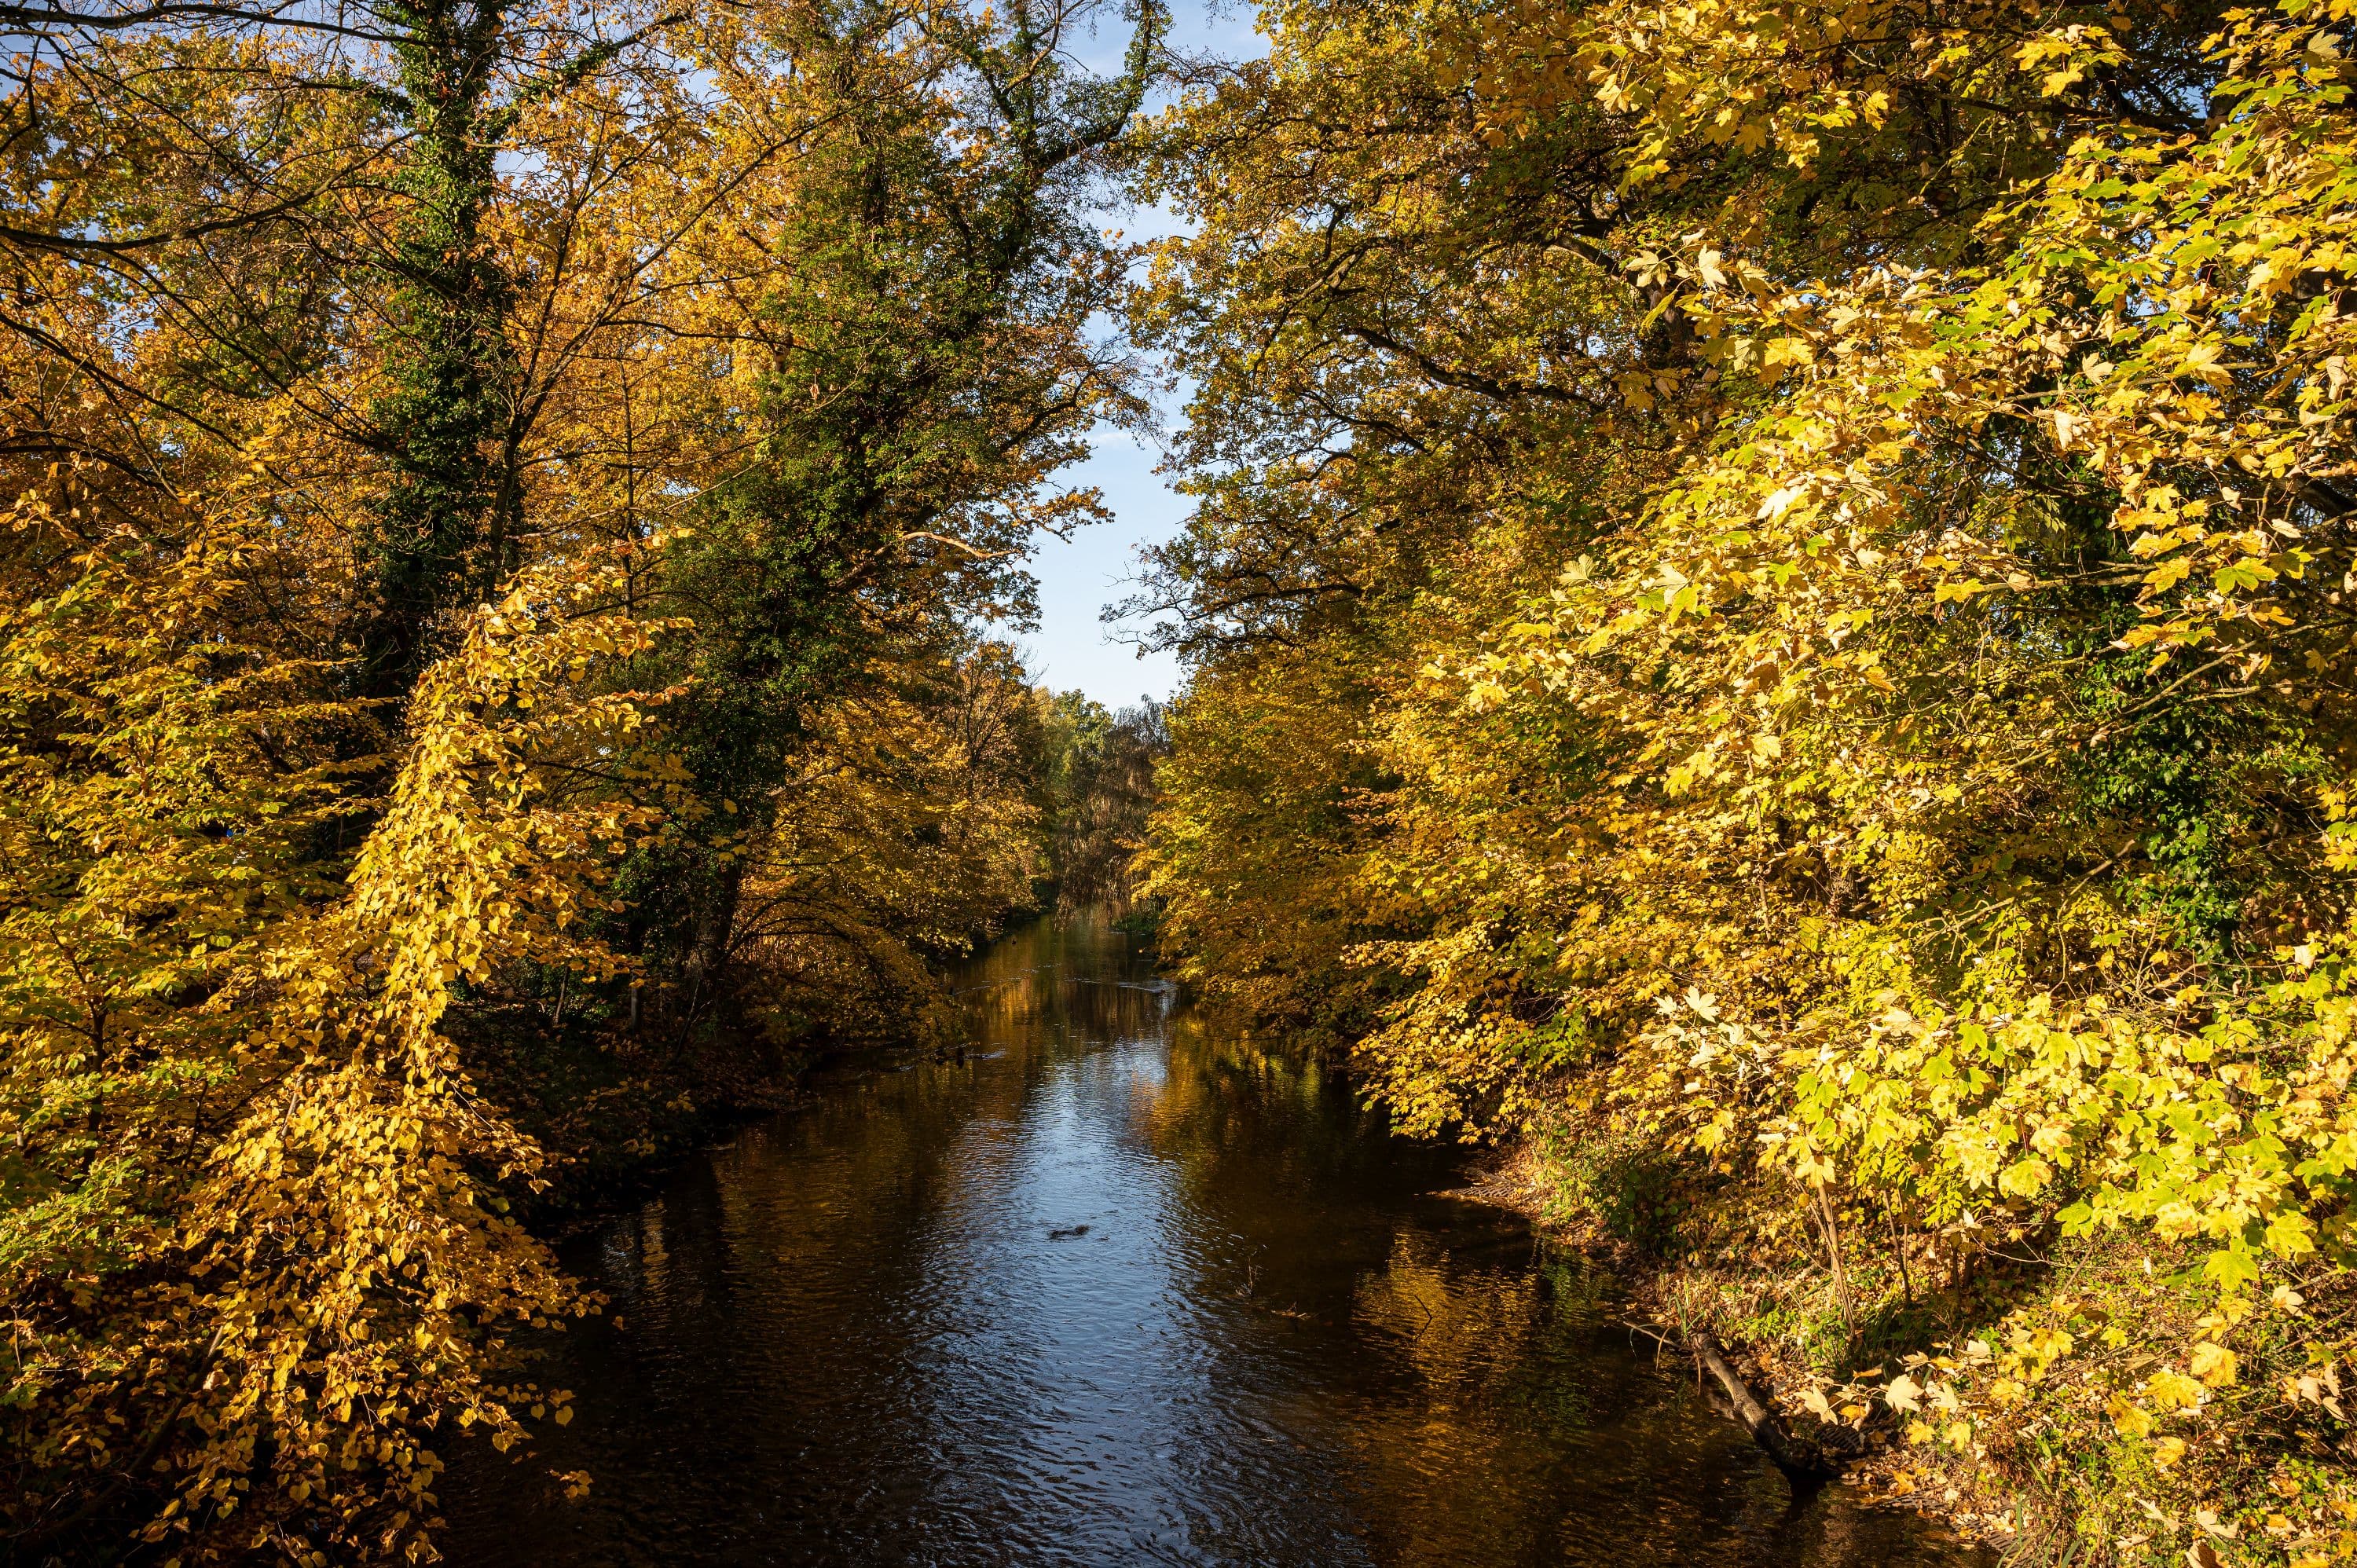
[1950, 686]
[296, 942]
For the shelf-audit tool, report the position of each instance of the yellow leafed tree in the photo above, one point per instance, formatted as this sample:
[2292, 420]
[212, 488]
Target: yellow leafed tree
[1826, 528]
[475, 474]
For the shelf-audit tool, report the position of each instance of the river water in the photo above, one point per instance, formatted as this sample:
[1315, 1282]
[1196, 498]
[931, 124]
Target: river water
[1118, 1287]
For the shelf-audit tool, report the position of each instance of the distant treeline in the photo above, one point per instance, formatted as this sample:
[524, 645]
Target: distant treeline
[1101, 788]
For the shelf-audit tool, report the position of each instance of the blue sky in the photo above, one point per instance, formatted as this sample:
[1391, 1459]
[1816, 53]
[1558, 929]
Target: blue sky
[1078, 578]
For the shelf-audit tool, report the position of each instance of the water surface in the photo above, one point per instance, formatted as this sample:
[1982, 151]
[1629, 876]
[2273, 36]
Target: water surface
[1119, 1287]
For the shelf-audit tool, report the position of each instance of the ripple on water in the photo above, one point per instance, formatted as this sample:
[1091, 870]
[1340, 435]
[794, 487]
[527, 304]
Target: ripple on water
[1119, 1287]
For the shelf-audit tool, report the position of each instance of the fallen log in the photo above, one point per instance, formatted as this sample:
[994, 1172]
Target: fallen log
[1804, 1462]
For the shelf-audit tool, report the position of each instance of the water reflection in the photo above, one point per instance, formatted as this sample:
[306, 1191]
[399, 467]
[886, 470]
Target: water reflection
[1117, 1287]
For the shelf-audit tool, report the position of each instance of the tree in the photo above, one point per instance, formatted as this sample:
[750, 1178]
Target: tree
[1821, 528]
[1101, 783]
[467, 459]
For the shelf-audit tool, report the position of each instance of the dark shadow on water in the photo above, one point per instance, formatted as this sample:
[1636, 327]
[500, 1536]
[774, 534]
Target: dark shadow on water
[1119, 1287]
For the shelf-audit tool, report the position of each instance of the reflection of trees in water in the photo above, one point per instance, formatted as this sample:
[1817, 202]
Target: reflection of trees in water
[1493, 1347]
[1528, 1433]
[1223, 1092]
[881, 1150]
[1076, 980]
[1445, 1359]
[848, 1293]
[875, 1152]
[1457, 1328]
[1466, 1464]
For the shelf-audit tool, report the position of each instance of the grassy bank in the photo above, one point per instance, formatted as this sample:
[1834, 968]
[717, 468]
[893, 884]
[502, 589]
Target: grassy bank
[1976, 1380]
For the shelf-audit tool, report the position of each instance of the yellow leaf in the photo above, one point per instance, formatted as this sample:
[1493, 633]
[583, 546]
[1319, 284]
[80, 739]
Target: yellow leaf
[2213, 1364]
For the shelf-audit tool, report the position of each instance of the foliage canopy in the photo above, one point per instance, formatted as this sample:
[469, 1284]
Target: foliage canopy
[1769, 586]
[501, 499]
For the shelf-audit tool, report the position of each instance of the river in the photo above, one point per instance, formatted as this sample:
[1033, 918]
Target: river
[1118, 1287]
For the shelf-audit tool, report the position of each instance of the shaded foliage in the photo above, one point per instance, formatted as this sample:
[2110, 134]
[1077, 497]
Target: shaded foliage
[1100, 781]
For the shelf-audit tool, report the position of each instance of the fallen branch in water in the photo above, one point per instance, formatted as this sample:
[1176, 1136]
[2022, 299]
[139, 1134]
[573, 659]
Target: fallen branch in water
[1802, 1461]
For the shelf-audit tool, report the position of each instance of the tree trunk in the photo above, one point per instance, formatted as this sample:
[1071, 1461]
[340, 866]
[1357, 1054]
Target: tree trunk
[1802, 1461]
[441, 535]
[1833, 1250]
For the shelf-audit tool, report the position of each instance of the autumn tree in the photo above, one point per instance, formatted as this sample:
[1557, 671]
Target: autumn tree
[1813, 536]
[464, 462]
[1099, 784]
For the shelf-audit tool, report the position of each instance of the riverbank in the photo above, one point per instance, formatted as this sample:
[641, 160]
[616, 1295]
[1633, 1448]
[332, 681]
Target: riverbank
[2049, 1470]
[619, 1106]
[1671, 1302]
